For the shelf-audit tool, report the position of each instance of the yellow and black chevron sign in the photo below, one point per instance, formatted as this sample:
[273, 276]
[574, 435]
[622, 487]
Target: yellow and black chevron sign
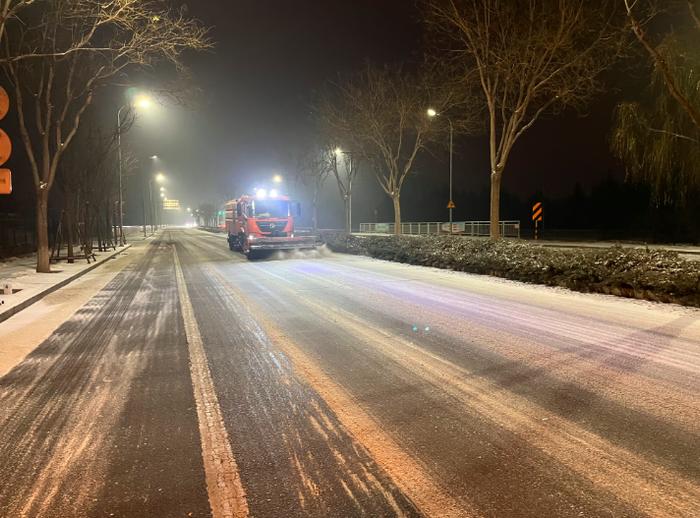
[537, 212]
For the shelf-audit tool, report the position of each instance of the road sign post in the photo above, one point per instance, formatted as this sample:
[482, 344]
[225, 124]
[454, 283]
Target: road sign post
[5, 146]
[451, 205]
[537, 217]
[5, 181]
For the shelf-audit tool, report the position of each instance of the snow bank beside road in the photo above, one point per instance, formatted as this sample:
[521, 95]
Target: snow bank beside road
[656, 275]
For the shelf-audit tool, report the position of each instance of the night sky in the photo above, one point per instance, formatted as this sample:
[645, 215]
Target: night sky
[269, 58]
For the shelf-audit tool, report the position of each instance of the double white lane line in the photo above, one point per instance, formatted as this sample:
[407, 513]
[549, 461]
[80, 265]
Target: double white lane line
[226, 495]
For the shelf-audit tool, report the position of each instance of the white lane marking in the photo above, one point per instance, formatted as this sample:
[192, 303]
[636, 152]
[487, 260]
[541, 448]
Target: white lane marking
[226, 494]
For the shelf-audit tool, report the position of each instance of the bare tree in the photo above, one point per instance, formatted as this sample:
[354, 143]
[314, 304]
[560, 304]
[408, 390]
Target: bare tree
[344, 164]
[312, 169]
[639, 12]
[527, 58]
[9, 10]
[207, 215]
[87, 180]
[53, 89]
[658, 136]
[380, 115]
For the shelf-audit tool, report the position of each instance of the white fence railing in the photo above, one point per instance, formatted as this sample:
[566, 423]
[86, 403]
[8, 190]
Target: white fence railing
[462, 228]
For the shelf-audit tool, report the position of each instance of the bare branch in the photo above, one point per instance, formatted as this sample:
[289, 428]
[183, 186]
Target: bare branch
[530, 58]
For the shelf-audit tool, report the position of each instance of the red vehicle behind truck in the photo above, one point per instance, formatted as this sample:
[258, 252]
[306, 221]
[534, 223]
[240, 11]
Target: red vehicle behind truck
[262, 222]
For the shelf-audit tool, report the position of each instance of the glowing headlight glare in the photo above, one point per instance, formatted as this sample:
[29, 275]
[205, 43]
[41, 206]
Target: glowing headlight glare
[273, 193]
[261, 193]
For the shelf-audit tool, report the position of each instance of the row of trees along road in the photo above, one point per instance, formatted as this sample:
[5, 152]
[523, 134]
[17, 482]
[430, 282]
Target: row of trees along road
[496, 67]
[658, 134]
[58, 55]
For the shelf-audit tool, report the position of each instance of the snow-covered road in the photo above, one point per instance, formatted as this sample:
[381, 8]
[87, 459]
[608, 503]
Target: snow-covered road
[348, 387]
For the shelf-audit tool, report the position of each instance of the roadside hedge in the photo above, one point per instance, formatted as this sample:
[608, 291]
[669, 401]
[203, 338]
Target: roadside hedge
[656, 275]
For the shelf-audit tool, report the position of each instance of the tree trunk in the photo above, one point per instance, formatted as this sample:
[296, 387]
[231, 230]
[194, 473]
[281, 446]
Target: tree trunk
[397, 214]
[496, 205]
[43, 258]
[69, 232]
[348, 228]
[314, 213]
[113, 222]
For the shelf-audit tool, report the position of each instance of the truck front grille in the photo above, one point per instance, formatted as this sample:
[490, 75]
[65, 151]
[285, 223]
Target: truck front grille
[275, 228]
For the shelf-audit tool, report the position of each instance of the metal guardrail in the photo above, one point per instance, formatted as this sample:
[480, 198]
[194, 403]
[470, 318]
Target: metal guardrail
[462, 228]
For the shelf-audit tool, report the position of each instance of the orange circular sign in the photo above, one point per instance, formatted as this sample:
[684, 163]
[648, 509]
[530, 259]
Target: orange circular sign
[5, 147]
[4, 103]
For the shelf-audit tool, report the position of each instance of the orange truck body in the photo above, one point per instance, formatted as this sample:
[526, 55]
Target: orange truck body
[256, 223]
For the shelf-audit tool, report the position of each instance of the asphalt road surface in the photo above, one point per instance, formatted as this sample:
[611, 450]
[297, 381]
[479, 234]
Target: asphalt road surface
[196, 383]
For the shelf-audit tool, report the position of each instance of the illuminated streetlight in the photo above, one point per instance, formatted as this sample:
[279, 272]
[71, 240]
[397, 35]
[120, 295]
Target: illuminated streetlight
[154, 157]
[432, 113]
[162, 189]
[144, 102]
[162, 195]
[160, 178]
[338, 152]
[277, 179]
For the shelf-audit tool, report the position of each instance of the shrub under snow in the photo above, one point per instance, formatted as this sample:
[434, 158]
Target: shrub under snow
[656, 275]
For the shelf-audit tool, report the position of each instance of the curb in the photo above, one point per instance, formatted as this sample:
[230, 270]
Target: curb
[4, 315]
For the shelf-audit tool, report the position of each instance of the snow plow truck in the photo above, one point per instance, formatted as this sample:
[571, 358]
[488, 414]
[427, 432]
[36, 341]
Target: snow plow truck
[264, 222]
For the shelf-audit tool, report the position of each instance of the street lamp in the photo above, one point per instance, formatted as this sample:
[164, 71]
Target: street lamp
[143, 102]
[277, 179]
[432, 113]
[160, 178]
[347, 194]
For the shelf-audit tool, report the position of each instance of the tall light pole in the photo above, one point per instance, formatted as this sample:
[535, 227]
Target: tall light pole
[122, 240]
[160, 178]
[140, 102]
[338, 152]
[433, 113]
[151, 202]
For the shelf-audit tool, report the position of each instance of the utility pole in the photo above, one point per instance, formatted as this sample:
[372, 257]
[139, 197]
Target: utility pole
[451, 204]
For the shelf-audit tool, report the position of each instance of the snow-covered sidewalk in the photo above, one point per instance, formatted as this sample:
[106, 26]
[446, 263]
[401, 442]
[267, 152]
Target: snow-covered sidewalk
[30, 287]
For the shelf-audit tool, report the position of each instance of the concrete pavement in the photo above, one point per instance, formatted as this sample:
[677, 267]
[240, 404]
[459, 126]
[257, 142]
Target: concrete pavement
[29, 286]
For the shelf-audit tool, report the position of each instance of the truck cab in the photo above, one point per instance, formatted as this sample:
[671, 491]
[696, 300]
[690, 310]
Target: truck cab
[264, 222]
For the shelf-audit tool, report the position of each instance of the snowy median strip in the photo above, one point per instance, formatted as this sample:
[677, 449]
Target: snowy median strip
[226, 493]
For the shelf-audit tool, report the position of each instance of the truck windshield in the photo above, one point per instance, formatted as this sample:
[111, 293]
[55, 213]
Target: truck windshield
[271, 208]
